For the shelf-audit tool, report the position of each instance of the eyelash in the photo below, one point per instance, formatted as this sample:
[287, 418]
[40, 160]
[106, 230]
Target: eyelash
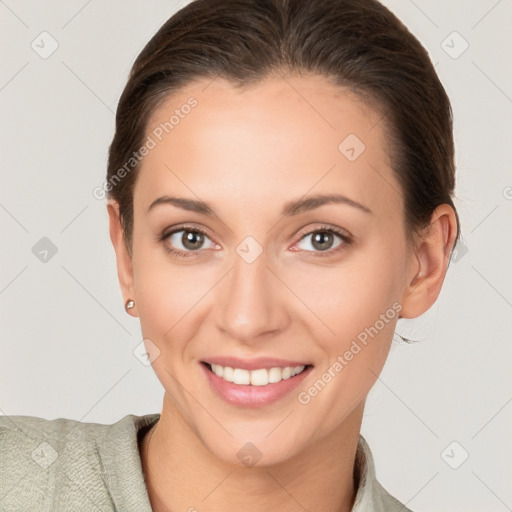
[322, 229]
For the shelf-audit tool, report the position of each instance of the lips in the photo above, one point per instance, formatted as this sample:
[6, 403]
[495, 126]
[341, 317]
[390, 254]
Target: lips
[254, 364]
[258, 377]
[256, 382]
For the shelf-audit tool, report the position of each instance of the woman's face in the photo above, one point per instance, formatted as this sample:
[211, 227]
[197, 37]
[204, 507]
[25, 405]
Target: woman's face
[268, 285]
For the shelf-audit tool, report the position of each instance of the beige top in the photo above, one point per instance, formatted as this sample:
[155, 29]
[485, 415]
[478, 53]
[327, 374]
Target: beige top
[62, 465]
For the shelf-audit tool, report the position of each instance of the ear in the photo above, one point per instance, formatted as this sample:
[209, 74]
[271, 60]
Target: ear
[430, 260]
[123, 257]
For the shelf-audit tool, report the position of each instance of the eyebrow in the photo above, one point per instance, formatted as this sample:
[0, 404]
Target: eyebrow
[290, 208]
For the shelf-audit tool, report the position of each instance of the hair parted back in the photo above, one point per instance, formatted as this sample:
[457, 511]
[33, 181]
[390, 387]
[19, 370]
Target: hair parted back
[357, 44]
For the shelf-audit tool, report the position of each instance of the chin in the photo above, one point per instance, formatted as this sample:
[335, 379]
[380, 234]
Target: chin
[254, 450]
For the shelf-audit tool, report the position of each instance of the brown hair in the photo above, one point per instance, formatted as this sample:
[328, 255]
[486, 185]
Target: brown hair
[358, 44]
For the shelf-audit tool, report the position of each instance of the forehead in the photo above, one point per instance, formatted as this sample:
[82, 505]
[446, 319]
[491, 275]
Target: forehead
[287, 134]
[280, 99]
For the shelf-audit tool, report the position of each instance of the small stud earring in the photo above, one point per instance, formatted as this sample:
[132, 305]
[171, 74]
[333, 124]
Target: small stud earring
[129, 304]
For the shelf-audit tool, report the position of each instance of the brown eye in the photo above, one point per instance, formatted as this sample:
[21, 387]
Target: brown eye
[324, 240]
[186, 241]
[192, 240]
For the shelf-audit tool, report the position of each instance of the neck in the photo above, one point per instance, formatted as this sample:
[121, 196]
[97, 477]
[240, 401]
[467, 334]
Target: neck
[182, 474]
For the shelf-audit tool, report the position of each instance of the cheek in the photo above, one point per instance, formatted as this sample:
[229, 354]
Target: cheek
[165, 293]
[352, 296]
[358, 306]
[170, 312]
[168, 298]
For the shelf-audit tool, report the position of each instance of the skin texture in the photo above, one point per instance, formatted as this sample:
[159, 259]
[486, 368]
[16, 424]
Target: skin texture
[247, 152]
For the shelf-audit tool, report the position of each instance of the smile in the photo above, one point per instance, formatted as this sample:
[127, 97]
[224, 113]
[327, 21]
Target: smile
[257, 377]
[262, 382]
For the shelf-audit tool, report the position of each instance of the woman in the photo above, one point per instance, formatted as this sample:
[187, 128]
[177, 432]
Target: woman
[280, 192]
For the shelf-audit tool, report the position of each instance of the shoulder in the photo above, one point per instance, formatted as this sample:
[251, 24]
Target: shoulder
[63, 463]
[371, 495]
[386, 501]
[33, 427]
[53, 438]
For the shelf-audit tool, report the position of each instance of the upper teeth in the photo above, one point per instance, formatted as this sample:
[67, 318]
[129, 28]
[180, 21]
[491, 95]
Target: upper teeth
[259, 377]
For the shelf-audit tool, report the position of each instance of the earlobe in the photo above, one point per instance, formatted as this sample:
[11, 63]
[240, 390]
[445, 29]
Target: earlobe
[123, 257]
[431, 259]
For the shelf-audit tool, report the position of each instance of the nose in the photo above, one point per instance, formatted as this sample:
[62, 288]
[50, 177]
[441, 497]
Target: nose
[251, 306]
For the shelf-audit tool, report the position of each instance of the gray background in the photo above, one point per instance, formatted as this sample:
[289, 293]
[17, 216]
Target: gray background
[66, 342]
